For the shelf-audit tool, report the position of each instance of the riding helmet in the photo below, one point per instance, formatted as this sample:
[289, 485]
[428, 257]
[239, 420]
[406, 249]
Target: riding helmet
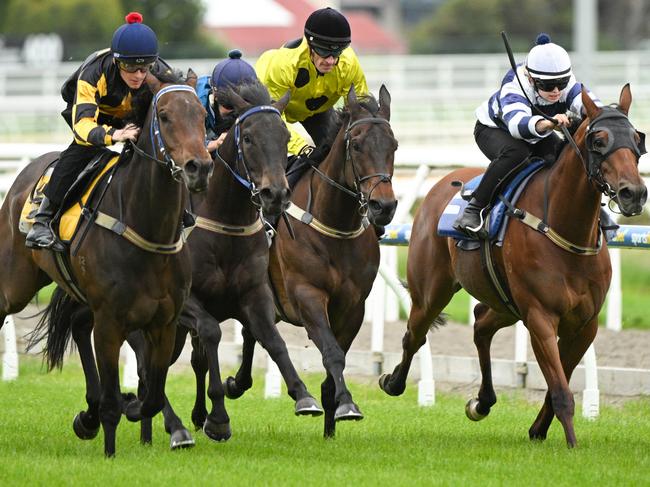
[135, 42]
[548, 60]
[327, 29]
[232, 71]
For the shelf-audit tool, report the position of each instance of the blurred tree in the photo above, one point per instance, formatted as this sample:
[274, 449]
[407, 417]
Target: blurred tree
[474, 25]
[86, 26]
[178, 24]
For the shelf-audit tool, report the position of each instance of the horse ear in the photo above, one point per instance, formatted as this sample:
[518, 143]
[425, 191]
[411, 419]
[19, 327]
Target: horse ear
[153, 83]
[384, 102]
[191, 78]
[282, 103]
[625, 99]
[353, 104]
[238, 102]
[590, 107]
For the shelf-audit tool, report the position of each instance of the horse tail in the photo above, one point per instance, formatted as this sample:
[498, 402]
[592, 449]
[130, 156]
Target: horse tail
[56, 326]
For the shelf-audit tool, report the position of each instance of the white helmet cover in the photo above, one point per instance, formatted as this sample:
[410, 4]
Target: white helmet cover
[547, 60]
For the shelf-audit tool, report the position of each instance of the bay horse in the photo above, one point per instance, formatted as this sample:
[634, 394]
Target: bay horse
[136, 276]
[230, 257]
[322, 277]
[556, 272]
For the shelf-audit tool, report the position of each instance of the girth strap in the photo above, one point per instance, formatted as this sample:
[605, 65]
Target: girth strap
[308, 219]
[116, 226]
[496, 279]
[227, 229]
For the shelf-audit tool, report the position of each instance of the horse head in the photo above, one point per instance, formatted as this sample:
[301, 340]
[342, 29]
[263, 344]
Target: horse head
[257, 143]
[370, 147]
[177, 131]
[613, 148]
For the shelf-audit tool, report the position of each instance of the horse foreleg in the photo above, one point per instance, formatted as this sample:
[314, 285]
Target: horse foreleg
[86, 423]
[200, 366]
[487, 323]
[236, 386]
[217, 423]
[261, 327]
[544, 341]
[572, 349]
[107, 347]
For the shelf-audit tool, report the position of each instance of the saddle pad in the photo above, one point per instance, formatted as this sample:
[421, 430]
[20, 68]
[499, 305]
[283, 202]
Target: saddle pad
[70, 219]
[498, 211]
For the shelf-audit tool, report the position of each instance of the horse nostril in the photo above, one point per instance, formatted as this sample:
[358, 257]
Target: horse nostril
[191, 167]
[625, 194]
[266, 194]
[375, 206]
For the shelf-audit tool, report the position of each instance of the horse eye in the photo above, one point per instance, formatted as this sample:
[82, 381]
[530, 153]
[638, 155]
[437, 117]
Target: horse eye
[163, 117]
[599, 143]
[356, 147]
[247, 139]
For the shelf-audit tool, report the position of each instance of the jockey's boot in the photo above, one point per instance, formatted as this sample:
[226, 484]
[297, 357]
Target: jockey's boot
[41, 236]
[471, 221]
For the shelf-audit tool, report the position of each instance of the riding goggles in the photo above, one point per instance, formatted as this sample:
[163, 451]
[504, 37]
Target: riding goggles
[133, 67]
[327, 50]
[550, 84]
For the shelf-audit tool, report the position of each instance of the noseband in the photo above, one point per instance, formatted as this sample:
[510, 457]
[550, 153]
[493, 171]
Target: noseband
[247, 182]
[156, 137]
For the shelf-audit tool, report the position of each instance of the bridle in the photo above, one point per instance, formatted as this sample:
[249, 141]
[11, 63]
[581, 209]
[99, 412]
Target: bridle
[620, 134]
[356, 191]
[246, 181]
[155, 136]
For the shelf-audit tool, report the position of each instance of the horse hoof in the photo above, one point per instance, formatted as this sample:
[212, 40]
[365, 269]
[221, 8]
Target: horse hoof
[471, 410]
[231, 390]
[81, 430]
[307, 406]
[384, 385]
[216, 431]
[133, 411]
[181, 439]
[348, 412]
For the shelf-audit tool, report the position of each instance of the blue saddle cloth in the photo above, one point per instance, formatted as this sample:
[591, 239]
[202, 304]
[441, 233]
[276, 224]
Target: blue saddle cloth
[497, 215]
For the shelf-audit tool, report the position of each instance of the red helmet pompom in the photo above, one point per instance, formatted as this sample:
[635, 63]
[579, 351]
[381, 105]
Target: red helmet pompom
[133, 18]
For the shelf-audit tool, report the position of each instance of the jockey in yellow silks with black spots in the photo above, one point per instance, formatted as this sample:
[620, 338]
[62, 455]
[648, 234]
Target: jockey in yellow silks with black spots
[319, 70]
[99, 97]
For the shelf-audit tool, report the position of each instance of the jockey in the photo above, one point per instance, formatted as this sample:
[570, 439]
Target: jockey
[99, 96]
[509, 131]
[318, 69]
[233, 71]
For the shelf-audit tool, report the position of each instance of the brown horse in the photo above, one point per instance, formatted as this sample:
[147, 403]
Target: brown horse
[323, 276]
[230, 257]
[557, 289]
[140, 283]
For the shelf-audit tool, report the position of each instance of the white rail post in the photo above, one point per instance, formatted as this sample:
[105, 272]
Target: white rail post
[521, 354]
[130, 373]
[591, 394]
[378, 323]
[272, 379]
[615, 294]
[10, 355]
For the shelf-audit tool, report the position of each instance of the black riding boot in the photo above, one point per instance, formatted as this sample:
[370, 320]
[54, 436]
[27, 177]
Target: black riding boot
[471, 221]
[41, 236]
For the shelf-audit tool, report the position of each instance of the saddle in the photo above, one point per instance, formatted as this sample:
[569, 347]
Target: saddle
[76, 199]
[498, 219]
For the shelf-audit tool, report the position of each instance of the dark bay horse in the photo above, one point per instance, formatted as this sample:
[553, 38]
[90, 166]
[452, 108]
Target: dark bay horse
[230, 255]
[557, 288]
[323, 276]
[139, 283]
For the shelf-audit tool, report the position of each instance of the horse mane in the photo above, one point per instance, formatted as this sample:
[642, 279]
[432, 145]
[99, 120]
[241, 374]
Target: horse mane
[253, 92]
[141, 100]
[342, 116]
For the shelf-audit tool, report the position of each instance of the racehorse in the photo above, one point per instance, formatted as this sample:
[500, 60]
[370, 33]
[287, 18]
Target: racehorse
[322, 277]
[230, 254]
[553, 268]
[133, 273]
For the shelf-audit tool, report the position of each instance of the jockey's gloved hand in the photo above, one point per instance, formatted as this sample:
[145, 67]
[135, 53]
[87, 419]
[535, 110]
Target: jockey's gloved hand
[319, 153]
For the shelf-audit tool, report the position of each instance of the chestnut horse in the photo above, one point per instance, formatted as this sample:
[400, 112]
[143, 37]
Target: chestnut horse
[556, 272]
[323, 276]
[230, 258]
[135, 275]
